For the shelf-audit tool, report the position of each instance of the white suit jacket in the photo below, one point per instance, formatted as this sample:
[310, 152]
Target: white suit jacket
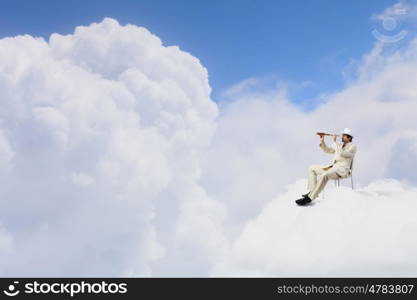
[343, 157]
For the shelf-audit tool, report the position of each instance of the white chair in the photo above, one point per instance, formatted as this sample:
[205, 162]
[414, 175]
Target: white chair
[350, 175]
[337, 181]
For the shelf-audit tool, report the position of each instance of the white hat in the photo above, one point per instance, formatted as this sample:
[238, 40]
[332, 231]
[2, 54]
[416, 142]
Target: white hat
[347, 131]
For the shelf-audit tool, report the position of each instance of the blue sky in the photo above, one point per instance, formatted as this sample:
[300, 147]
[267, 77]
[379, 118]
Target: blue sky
[295, 41]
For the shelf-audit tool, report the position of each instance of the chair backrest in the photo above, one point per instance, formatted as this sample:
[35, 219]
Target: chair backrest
[337, 181]
[351, 167]
[350, 171]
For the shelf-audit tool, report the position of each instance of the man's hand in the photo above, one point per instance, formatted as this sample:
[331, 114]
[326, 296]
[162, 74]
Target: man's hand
[334, 137]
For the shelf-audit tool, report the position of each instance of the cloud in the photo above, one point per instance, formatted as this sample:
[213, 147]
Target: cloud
[82, 179]
[115, 161]
[6, 151]
[100, 141]
[350, 233]
[402, 11]
[265, 143]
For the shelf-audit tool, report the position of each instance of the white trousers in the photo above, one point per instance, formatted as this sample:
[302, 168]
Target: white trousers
[318, 176]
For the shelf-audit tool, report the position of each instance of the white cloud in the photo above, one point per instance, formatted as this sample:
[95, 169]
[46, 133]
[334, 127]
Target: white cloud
[6, 244]
[115, 161]
[378, 103]
[401, 9]
[81, 179]
[369, 231]
[6, 151]
[379, 106]
[104, 129]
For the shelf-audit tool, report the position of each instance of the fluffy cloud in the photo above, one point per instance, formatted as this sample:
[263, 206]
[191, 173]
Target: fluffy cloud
[100, 142]
[368, 231]
[115, 161]
[265, 142]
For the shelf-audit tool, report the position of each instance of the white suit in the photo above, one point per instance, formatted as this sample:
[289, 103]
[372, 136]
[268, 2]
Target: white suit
[340, 168]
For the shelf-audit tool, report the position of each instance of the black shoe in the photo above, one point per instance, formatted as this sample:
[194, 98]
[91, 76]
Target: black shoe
[303, 201]
[305, 195]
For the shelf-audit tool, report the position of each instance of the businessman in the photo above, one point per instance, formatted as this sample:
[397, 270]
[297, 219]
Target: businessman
[341, 167]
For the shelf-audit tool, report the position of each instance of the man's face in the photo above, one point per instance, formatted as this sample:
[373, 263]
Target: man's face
[345, 138]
